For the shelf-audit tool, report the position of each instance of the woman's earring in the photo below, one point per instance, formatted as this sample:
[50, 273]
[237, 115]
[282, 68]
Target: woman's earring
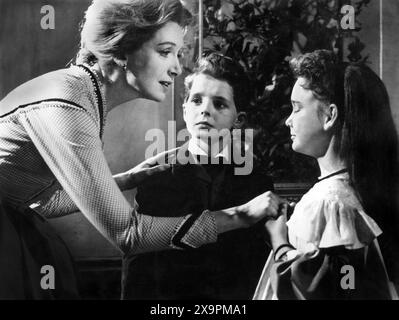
[124, 67]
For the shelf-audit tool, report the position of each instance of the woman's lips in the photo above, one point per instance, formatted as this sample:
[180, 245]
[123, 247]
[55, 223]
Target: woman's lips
[165, 84]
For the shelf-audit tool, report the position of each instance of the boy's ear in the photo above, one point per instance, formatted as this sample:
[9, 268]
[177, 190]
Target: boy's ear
[184, 111]
[331, 116]
[240, 121]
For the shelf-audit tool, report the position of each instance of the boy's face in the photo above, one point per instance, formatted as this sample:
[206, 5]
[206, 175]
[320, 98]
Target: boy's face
[209, 108]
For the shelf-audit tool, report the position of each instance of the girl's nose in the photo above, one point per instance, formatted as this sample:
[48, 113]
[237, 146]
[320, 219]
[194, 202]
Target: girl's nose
[288, 122]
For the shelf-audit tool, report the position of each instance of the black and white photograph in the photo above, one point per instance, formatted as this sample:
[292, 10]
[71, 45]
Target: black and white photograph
[199, 157]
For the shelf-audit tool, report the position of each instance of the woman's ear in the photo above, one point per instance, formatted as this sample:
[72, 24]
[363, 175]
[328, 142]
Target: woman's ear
[240, 120]
[121, 62]
[331, 116]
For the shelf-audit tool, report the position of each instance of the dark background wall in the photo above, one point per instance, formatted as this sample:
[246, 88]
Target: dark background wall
[26, 50]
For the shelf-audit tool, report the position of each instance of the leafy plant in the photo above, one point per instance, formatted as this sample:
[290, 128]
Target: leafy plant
[263, 35]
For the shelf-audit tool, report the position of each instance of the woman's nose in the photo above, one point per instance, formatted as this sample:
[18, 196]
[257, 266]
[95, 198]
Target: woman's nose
[175, 68]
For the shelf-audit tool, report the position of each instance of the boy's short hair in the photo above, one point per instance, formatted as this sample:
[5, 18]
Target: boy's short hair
[224, 68]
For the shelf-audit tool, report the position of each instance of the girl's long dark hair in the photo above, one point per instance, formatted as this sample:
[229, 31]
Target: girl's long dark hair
[369, 144]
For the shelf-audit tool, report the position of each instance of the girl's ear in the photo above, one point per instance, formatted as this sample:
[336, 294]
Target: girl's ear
[331, 116]
[240, 121]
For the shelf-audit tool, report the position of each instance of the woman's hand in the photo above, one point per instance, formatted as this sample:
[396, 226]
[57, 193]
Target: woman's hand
[140, 173]
[263, 206]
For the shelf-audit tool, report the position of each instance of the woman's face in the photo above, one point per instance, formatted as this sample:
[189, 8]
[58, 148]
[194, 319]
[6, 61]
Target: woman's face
[152, 68]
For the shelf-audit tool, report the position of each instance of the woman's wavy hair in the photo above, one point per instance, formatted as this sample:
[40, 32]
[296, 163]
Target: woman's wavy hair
[366, 136]
[114, 28]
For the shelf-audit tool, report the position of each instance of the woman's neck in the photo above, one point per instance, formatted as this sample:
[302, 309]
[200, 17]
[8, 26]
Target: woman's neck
[116, 89]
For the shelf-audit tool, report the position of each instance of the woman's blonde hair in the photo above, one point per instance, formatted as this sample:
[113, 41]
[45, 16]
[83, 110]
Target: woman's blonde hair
[113, 28]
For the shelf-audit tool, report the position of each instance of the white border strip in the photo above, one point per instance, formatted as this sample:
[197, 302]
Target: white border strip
[381, 41]
[200, 27]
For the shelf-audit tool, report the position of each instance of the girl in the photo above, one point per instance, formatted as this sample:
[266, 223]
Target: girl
[340, 116]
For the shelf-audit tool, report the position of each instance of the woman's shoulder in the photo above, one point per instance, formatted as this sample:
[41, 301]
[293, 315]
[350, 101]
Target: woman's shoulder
[64, 86]
[330, 214]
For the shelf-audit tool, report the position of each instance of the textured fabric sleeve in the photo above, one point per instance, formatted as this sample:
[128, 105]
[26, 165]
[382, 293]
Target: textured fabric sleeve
[67, 138]
[58, 205]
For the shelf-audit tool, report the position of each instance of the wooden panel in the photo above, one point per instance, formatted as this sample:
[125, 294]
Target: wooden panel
[370, 36]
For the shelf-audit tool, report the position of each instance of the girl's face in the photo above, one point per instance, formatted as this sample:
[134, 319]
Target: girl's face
[209, 108]
[306, 122]
[152, 68]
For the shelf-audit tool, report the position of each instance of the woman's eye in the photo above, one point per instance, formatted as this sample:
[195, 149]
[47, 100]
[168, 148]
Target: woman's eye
[164, 53]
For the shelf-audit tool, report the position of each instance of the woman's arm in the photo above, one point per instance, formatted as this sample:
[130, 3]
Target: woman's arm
[58, 205]
[68, 140]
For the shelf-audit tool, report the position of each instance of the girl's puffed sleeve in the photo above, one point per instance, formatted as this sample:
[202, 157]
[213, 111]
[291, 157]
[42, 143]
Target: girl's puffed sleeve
[67, 138]
[335, 256]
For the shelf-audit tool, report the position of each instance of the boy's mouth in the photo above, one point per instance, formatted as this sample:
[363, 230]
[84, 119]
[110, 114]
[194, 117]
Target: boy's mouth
[204, 124]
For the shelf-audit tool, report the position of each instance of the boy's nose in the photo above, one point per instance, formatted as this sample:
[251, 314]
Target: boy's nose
[206, 107]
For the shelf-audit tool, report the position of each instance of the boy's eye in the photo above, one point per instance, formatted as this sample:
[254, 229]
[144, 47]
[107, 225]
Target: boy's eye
[219, 104]
[196, 100]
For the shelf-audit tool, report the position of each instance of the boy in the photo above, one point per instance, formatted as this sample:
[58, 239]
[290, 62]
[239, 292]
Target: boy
[229, 269]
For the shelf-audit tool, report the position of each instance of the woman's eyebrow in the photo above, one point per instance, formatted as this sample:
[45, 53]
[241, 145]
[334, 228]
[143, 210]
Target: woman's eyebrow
[166, 43]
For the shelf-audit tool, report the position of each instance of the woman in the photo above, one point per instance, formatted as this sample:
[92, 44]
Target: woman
[51, 151]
